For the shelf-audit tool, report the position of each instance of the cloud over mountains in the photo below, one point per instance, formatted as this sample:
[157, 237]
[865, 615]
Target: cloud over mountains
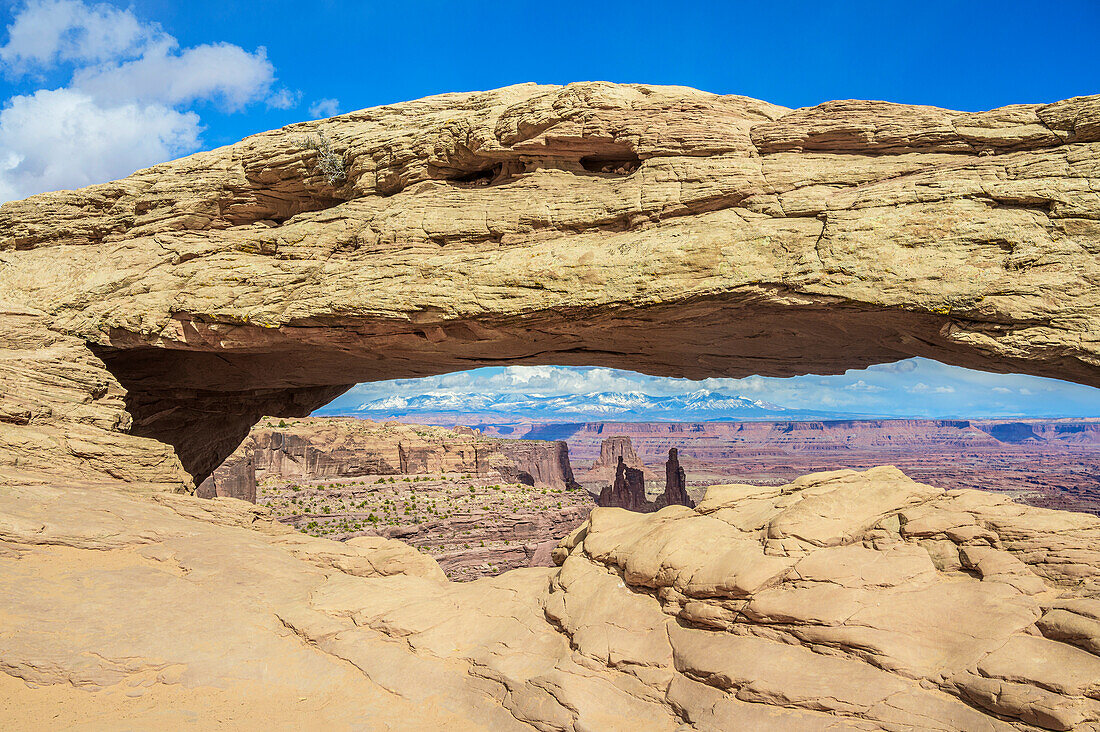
[697, 406]
[916, 388]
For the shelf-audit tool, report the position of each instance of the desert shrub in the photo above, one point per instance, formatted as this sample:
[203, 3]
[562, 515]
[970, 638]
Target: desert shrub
[329, 163]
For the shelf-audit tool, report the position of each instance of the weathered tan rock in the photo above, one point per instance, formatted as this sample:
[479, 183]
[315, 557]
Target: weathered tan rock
[173, 611]
[146, 324]
[586, 224]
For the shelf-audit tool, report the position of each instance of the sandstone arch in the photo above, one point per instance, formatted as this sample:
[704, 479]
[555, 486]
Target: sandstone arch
[145, 323]
[148, 322]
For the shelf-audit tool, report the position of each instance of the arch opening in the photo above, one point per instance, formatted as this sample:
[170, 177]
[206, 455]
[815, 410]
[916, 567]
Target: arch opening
[484, 469]
[202, 396]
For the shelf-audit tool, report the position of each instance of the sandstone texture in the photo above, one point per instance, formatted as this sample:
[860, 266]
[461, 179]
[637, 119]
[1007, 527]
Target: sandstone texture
[844, 600]
[330, 447]
[147, 323]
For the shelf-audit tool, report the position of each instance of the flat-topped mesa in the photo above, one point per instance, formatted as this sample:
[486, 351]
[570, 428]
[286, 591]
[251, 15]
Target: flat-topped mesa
[336, 448]
[151, 321]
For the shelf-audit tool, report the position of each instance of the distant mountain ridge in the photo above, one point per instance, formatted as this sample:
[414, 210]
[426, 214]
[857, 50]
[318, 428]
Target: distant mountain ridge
[633, 406]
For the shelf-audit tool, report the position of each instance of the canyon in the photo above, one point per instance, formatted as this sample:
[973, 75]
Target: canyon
[1047, 463]
[628, 490]
[478, 505]
[147, 324]
[319, 448]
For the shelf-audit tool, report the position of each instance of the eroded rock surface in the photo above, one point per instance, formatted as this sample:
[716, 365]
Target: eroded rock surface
[334, 448]
[841, 601]
[613, 450]
[675, 493]
[627, 490]
[147, 323]
[472, 526]
[235, 478]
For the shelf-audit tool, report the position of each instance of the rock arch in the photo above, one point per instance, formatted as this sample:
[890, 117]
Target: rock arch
[146, 323]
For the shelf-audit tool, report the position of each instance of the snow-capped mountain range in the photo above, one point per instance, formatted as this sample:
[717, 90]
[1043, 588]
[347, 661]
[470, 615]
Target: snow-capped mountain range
[697, 406]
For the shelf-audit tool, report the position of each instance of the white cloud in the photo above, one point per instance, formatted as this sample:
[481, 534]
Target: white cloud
[64, 139]
[126, 105]
[46, 32]
[219, 72]
[862, 385]
[897, 367]
[921, 388]
[324, 108]
[284, 98]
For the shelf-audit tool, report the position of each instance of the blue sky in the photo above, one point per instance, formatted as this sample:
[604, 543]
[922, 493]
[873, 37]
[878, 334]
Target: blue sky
[915, 387]
[92, 91]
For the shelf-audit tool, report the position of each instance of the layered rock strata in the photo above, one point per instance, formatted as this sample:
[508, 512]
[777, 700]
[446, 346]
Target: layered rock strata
[841, 601]
[628, 489]
[613, 450]
[235, 478]
[1049, 463]
[340, 448]
[148, 323]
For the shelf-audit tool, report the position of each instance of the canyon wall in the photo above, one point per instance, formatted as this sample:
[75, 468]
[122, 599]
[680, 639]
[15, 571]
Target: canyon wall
[1045, 462]
[330, 447]
[235, 478]
[652, 439]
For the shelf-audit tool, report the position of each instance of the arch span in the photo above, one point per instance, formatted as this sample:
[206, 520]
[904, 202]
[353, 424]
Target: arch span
[148, 322]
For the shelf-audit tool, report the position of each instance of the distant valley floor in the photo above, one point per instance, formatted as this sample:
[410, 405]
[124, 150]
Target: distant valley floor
[1046, 463]
[480, 501]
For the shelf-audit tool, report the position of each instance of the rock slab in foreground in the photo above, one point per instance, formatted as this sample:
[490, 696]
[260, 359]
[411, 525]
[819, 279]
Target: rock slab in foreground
[841, 601]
